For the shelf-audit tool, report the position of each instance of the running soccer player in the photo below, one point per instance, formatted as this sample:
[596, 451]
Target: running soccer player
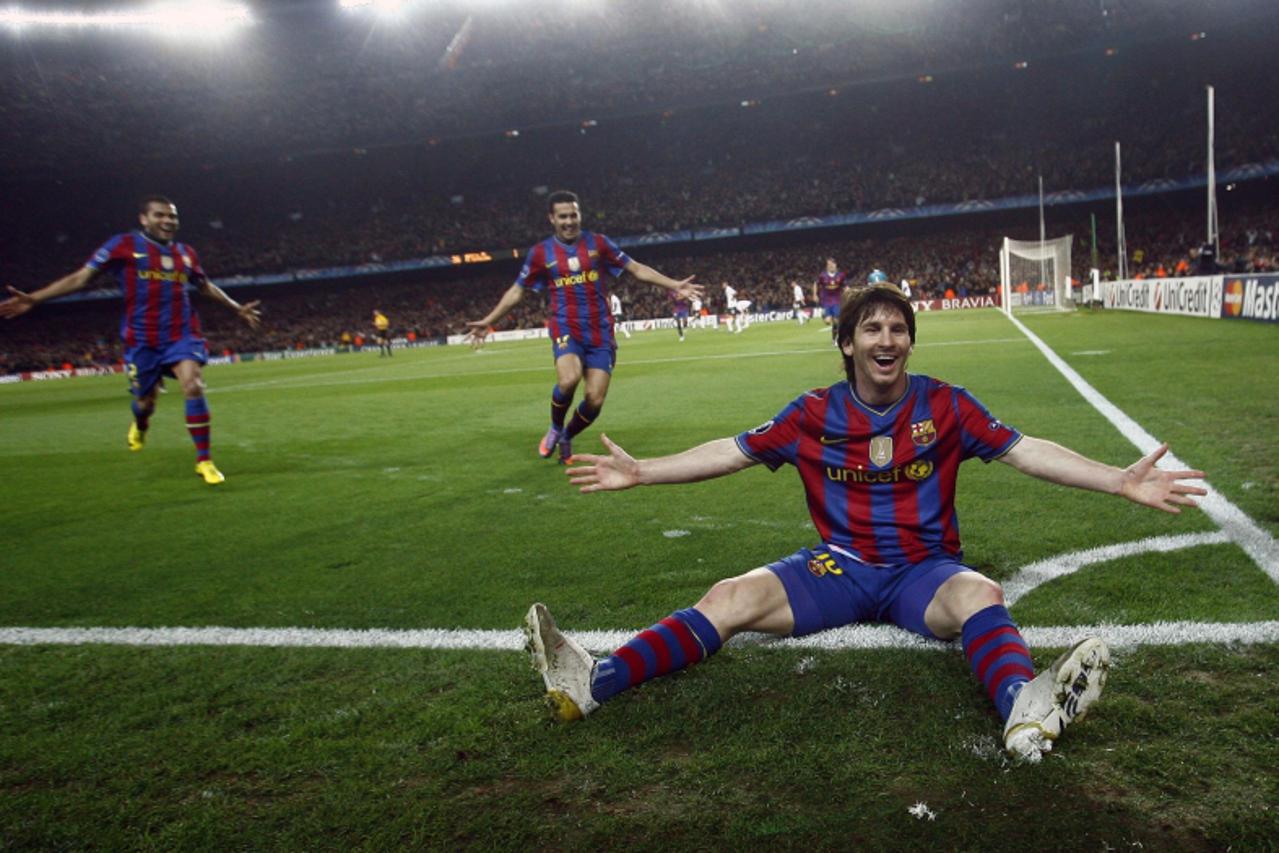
[878, 455]
[679, 309]
[382, 333]
[570, 265]
[160, 327]
[615, 308]
[828, 292]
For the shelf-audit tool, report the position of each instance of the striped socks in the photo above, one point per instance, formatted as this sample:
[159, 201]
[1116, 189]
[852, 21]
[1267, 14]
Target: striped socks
[998, 655]
[559, 406]
[198, 426]
[680, 640]
[582, 418]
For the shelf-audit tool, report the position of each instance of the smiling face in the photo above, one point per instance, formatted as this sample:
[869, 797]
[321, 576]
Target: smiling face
[159, 221]
[879, 350]
[566, 217]
[876, 335]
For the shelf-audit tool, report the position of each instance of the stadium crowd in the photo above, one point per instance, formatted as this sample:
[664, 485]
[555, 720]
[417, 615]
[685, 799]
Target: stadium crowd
[317, 140]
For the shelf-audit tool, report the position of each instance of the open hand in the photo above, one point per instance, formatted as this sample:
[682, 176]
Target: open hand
[1159, 488]
[250, 314]
[614, 472]
[17, 304]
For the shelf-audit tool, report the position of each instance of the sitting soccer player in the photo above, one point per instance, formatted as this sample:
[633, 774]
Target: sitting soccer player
[878, 455]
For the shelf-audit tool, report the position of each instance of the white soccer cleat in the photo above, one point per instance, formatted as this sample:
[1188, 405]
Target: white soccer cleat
[1055, 698]
[565, 666]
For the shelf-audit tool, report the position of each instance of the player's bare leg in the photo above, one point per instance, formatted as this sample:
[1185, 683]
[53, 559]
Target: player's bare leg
[595, 391]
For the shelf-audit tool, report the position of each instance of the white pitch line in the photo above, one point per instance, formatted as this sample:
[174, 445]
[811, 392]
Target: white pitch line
[851, 637]
[1041, 572]
[1242, 530]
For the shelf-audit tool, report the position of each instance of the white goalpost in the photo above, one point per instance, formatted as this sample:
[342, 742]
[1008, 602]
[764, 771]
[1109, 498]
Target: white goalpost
[1034, 275]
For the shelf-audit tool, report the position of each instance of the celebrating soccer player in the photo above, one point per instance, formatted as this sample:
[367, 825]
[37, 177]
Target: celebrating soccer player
[160, 327]
[878, 455]
[570, 265]
[828, 292]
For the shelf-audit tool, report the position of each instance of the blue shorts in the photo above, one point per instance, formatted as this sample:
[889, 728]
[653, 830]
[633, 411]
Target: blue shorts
[830, 310]
[146, 365]
[827, 589]
[592, 357]
[681, 313]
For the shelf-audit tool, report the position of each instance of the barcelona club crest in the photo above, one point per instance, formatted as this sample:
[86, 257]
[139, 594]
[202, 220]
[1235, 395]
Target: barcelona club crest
[881, 450]
[166, 262]
[923, 433]
[574, 264]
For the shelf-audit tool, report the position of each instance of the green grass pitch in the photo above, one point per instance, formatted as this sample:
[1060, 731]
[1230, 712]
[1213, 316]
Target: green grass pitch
[405, 493]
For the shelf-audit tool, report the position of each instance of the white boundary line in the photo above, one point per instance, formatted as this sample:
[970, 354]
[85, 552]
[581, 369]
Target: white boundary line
[1043, 571]
[1242, 530]
[851, 637]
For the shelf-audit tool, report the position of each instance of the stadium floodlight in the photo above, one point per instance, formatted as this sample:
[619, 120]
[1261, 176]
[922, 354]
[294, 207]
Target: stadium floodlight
[187, 17]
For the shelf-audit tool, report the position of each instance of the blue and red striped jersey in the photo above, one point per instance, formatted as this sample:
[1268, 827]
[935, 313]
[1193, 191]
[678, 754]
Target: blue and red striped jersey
[831, 286]
[572, 276]
[880, 484]
[153, 278]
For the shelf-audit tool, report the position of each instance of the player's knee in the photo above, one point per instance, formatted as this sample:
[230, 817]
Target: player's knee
[973, 593]
[732, 603]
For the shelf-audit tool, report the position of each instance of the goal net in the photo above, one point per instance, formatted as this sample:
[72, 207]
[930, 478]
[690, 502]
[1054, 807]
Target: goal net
[1035, 275]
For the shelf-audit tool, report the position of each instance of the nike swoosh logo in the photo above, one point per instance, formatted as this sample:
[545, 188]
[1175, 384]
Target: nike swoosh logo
[136, 255]
[825, 439]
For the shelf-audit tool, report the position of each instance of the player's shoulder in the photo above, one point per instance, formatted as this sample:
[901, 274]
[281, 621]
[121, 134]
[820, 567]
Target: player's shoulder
[930, 384]
[820, 396]
[115, 247]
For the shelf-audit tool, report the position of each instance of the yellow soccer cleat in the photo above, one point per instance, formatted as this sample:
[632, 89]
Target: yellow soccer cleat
[209, 472]
[137, 438]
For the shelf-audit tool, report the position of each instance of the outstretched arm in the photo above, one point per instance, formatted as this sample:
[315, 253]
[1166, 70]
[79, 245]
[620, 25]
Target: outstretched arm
[476, 330]
[248, 311]
[619, 470]
[1141, 482]
[684, 287]
[20, 303]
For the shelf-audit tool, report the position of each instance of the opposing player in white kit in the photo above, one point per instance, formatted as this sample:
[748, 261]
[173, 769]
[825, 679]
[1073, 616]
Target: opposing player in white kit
[615, 308]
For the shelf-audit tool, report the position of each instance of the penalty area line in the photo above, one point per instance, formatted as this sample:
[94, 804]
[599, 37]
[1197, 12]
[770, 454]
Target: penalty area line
[851, 637]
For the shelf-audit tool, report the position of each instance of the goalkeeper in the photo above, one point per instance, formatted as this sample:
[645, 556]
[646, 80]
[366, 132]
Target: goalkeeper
[878, 455]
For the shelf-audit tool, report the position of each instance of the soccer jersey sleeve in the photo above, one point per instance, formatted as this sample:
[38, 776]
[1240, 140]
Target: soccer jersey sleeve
[109, 253]
[615, 260]
[981, 433]
[775, 442]
[196, 269]
[533, 274]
